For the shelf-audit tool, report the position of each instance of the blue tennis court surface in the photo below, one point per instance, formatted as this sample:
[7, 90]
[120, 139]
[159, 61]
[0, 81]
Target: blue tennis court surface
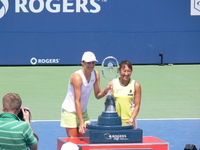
[177, 132]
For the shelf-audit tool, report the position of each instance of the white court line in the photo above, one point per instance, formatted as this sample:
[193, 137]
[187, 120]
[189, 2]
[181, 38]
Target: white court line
[173, 119]
[137, 119]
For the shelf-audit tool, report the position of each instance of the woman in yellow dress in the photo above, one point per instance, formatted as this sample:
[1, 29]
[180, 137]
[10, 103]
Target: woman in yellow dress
[127, 93]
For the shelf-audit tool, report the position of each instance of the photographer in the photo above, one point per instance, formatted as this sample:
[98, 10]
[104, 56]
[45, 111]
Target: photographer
[14, 132]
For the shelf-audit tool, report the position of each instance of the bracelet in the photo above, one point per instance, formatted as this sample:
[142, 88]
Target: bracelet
[131, 119]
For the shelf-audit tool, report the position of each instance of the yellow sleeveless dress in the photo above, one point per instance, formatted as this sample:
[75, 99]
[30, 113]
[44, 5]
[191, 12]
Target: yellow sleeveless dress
[124, 96]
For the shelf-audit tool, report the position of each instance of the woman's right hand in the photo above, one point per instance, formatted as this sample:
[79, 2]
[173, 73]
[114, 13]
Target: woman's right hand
[82, 128]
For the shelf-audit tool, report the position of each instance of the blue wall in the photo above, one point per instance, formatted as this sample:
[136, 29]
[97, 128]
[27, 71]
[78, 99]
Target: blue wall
[137, 30]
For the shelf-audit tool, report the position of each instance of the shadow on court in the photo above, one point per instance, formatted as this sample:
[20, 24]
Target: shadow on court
[177, 132]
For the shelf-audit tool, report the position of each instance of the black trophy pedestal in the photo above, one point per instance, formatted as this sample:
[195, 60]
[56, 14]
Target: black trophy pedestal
[109, 128]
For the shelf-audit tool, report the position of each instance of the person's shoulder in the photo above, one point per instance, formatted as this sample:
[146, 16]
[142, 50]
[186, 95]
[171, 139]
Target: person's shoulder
[24, 123]
[137, 84]
[96, 72]
[21, 125]
[76, 74]
[115, 80]
[76, 78]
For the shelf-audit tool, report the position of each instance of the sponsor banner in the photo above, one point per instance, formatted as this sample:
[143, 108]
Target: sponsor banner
[52, 6]
[57, 32]
[42, 61]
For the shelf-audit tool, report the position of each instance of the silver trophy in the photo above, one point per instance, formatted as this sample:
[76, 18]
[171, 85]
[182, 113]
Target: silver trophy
[109, 72]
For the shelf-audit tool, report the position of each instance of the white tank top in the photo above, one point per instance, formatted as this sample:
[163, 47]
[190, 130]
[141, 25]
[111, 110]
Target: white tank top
[69, 102]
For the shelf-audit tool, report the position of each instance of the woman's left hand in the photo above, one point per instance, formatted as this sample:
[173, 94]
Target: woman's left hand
[130, 122]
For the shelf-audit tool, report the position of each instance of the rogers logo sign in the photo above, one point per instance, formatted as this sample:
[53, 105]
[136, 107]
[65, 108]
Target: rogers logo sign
[4, 7]
[35, 61]
[56, 6]
[52, 6]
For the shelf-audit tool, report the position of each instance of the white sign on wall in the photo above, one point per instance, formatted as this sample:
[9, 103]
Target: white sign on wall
[195, 8]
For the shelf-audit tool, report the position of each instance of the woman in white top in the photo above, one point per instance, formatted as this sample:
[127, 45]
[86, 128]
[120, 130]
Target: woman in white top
[74, 108]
